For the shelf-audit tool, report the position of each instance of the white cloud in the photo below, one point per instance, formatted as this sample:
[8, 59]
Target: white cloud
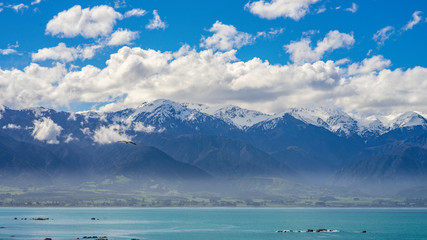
[8, 51]
[88, 51]
[226, 37]
[137, 12]
[414, 21]
[64, 53]
[60, 52]
[301, 51]
[295, 9]
[70, 138]
[46, 130]
[386, 92]
[140, 127]
[36, 2]
[18, 7]
[156, 22]
[369, 65]
[119, 3]
[321, 10]
[11, 49]
[29, 87]
[88, 22]
[110, 134]
[383, 34]
[353, 8]
[135, 75]
[12, 126]
[272, 33]
[122, 37]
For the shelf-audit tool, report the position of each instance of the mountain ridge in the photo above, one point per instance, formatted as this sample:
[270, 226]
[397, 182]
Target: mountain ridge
[300, 144]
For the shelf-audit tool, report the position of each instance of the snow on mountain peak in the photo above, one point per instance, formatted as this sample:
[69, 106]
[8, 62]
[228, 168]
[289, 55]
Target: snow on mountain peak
[409, 119]
[152, 114]
[163, 108]
[237, 116]
[332, 119]
[240, 117]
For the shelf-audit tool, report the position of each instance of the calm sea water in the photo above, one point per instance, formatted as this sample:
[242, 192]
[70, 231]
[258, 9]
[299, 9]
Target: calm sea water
[213, 223]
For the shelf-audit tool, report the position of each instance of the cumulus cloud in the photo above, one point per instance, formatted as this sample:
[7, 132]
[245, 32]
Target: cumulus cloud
[46, 130]
[156, 22]
[386, 92]
[383, 34]
[60, 52]
[416, 18]
[353, 8]
[369, 65]
[122, 37]
[136, 12]
[226, 37]
[87, 22]
[29, 87]
[135, 75]
[301, 51]
[110, 134]
[65, 54]
[295, 9]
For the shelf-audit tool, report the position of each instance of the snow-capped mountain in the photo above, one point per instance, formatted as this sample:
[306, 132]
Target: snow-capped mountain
[239, 117]
[332, 119]
[167, 114]
[409, 119]
[371, 126]
[307, 140]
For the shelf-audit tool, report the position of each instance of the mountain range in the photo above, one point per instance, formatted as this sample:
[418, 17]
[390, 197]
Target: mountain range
[190, 144]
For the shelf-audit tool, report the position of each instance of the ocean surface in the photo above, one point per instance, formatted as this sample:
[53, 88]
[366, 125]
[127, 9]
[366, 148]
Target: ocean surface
[212, 223]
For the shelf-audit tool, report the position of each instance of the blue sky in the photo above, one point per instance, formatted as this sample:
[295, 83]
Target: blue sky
[366, 57]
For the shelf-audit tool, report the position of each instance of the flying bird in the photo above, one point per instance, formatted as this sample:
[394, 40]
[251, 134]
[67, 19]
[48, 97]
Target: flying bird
[128, 142]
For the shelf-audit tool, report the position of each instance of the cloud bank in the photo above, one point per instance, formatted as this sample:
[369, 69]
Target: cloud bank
[134, 75]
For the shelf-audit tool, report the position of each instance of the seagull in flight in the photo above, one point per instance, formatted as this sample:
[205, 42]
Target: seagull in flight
[127, 142]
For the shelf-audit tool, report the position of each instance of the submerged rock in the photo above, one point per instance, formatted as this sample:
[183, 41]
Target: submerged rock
[95, 237]
[308, 230]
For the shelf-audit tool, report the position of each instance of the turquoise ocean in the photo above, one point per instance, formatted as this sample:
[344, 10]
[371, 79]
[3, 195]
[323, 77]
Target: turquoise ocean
[212, 223]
